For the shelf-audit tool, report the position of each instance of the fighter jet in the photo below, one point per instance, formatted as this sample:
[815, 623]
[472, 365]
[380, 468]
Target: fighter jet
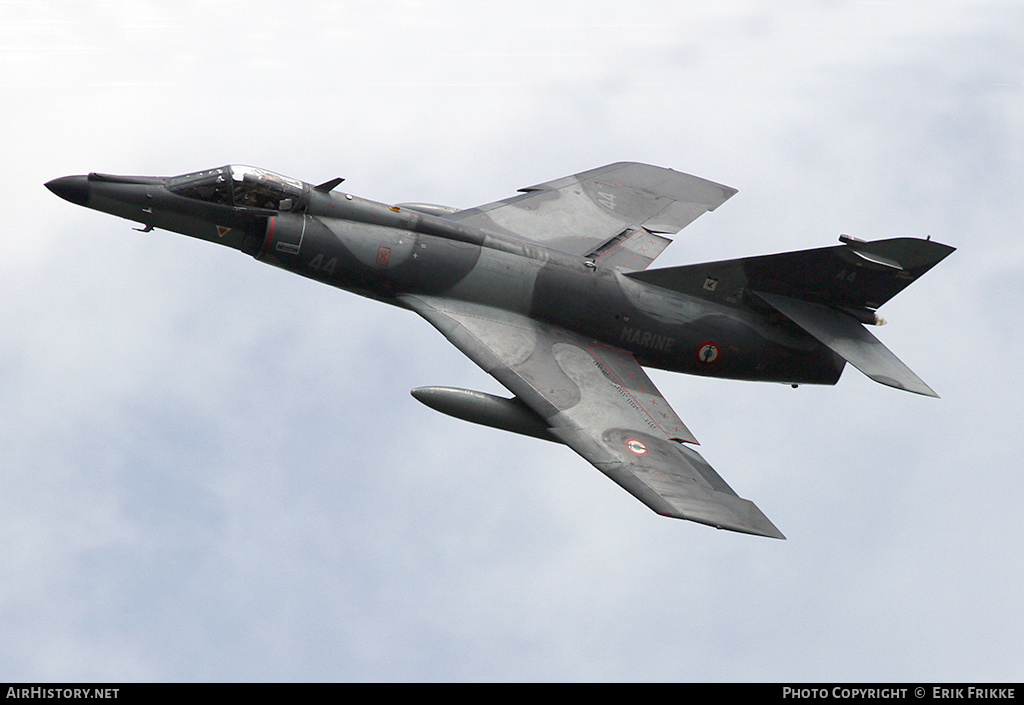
[549, 291]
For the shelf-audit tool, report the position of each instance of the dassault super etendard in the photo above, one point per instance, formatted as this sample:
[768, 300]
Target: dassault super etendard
[549, 292]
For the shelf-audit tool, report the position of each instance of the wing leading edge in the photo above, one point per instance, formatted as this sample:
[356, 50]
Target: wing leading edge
[599, 402]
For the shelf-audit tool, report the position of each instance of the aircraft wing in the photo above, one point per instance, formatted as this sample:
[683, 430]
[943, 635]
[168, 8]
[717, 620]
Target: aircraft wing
[597, 400]
[613, 213]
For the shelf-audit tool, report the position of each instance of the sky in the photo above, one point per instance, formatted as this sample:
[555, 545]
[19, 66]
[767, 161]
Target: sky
[212, 470]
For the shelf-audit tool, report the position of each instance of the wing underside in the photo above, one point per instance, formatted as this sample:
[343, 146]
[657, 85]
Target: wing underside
[614, 213]
[598, 401]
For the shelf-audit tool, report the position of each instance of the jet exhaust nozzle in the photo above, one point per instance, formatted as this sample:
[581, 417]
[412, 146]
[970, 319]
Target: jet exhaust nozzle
[866, 316]
[485, 409]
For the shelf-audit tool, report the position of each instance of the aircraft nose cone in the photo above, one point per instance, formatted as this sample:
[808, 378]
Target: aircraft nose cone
[71, 188]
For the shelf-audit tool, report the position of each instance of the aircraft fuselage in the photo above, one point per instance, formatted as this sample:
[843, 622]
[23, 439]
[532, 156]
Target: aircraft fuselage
[383, 251]
[550, 292]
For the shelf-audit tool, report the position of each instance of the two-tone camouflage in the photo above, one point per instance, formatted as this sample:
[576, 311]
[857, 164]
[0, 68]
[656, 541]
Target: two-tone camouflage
[549, 292]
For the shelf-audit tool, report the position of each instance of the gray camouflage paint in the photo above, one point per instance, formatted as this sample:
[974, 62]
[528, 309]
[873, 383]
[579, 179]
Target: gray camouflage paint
[547, 292]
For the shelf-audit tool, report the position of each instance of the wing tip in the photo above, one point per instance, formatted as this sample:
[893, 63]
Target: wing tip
[757, 524]
[770, 531]
[766, 529]
[909, 383]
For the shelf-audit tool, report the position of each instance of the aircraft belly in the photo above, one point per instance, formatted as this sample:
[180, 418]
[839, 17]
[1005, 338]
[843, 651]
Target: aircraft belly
[498, 279]
[680, 333]
[729, 347]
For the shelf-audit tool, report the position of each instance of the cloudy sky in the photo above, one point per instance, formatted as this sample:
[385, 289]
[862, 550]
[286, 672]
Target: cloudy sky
[212, 470]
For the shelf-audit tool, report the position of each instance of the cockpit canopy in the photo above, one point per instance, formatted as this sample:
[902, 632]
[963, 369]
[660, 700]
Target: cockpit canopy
[242, 186]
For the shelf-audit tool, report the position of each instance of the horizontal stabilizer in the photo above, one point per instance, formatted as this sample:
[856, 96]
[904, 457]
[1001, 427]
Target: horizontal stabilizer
[845, 336]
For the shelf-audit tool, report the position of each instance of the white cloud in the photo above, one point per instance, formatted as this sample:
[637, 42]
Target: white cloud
[213, 470]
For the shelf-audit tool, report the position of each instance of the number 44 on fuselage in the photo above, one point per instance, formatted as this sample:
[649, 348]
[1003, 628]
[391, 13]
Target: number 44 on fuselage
[549, 292]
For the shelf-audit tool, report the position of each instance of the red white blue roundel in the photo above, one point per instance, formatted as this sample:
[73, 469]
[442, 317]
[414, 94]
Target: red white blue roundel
[708, 352]
[636, 447]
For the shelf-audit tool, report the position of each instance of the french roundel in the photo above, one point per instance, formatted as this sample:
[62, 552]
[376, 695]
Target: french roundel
[708, 353]
[636, 447]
